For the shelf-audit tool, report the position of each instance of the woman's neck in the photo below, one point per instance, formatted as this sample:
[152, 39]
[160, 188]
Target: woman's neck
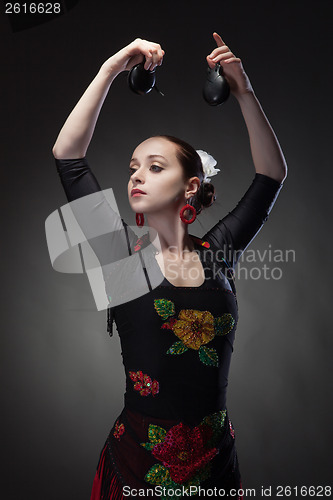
[167, 233]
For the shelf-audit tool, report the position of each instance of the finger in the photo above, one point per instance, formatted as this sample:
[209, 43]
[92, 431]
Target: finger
[210, 63]
[218, 50]
[157, 58]
[152, 46]
[223, 57]
[156, 45]
[149, 59]
[161, 60]
[218, 39]
[151, 51]
[233, 59]
[146, 50]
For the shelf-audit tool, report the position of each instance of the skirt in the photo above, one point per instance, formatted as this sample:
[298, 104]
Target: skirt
[168, 460]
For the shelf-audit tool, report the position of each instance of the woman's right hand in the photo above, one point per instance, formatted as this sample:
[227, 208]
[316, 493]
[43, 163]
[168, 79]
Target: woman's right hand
[74, 137]
[134, 53]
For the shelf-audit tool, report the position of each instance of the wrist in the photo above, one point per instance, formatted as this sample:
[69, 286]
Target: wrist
[245, 97]
[109, 70]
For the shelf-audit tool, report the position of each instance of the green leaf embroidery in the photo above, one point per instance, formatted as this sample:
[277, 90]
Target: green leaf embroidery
[216, 422]
[177, 348]
[224, 324]
[202, 475]
[148, 446]
[156, 434]
[165, 308]
[208, 356]
[157, 474]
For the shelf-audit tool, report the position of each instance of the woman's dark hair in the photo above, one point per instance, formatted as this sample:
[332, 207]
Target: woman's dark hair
[192, 166]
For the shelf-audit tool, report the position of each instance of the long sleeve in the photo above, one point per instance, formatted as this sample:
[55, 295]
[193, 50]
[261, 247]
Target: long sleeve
[76, 178]
[127, 273]
[108, 235]
[236, 230]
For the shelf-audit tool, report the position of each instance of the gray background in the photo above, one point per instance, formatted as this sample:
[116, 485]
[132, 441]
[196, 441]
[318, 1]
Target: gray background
[62, 376]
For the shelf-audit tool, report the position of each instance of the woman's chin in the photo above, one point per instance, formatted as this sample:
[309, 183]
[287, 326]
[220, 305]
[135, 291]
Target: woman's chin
[138, 207]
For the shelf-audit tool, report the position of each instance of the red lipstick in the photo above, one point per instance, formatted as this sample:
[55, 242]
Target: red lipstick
[137, 192]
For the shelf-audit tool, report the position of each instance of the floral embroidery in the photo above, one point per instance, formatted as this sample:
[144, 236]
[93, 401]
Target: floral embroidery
[144, 383]
[185, 453]
[194, 329]
[201, 242]
[164, 308]
[232, 430]
[119, 430]
[141, 242]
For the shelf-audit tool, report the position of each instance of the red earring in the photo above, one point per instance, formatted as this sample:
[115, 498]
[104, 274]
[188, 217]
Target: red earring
[191, 209]
[140, 219]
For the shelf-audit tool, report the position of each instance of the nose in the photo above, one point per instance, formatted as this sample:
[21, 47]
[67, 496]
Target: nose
[138, 176]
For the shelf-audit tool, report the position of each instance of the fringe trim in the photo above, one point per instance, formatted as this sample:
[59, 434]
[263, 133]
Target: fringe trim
[111, 487]
[109, 320]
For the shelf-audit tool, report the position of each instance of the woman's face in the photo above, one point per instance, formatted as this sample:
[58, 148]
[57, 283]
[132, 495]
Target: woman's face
[157, 173]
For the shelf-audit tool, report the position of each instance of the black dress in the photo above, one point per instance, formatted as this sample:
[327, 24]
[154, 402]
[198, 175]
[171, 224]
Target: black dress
[174, 435]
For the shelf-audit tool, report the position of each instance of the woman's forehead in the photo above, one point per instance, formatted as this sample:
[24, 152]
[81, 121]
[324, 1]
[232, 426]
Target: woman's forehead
[155, 146]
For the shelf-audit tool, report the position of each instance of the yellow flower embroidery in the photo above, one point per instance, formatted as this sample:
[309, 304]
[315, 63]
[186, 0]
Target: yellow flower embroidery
[194, 328]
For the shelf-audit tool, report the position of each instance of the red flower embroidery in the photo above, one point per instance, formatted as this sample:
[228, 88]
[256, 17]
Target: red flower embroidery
[232, 430]
[119, 430]
[184, 451]
[138, 245]
[144, 383]
[169, 324]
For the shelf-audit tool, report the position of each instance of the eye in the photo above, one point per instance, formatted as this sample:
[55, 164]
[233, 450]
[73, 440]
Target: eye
[156, 168]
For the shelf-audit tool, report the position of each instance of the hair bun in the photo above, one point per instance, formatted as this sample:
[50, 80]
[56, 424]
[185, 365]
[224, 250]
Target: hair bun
[208, 196]
[205, 197]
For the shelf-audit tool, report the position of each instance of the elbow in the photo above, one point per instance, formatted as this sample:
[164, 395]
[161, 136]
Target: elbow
[58, 152]
[284, 173]
[55, 152]
[63, 153]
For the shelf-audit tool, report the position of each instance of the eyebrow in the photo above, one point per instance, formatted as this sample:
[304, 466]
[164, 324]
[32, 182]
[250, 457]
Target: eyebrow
[150, 156]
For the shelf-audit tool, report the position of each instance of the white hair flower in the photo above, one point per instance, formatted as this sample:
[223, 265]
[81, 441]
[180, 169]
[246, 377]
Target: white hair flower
[208, 164]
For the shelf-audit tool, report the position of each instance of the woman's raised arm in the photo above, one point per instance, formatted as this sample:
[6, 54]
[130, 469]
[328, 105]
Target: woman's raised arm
[266, 152]
[238, 228]
[75, 136]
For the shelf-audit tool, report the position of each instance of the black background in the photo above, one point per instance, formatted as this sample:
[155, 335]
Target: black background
[62, 377]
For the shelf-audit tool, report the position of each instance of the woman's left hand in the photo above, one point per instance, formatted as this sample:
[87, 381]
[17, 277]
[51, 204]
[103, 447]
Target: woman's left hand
[232, 67]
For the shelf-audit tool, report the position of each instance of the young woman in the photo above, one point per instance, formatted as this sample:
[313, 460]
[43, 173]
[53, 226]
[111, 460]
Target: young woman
[177, 332]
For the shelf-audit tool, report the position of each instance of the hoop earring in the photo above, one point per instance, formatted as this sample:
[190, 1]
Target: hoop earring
[140, 219]
[191, 209]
